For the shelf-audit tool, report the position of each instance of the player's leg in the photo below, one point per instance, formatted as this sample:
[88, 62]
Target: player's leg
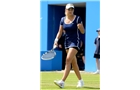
[70, 55]
[76, 68]
[77, 72]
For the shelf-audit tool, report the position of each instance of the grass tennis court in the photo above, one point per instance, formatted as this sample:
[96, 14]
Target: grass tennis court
[91, 81]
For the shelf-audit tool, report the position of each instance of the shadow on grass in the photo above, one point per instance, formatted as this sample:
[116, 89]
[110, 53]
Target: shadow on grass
[90, 87]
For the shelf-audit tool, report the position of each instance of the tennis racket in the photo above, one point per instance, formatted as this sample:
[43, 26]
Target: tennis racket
[49, 54]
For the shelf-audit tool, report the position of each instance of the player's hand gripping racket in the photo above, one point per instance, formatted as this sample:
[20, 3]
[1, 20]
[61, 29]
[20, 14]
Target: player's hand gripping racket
[49, 54]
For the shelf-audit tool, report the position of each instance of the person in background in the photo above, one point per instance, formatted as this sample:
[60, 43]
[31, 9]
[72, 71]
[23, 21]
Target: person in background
[80, 57]
[97, 51]
[62, 48]
[83, 47]
[81, 52]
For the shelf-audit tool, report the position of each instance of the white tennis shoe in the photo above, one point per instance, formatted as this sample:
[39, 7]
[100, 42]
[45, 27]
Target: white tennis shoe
[80, 84]
[59, 83]
[97, 72]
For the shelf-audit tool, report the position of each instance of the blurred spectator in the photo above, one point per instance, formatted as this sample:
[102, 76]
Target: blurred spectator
[61, 47]
[97, 51]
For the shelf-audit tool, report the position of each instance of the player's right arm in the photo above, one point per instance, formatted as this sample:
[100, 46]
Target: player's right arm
[59, 34]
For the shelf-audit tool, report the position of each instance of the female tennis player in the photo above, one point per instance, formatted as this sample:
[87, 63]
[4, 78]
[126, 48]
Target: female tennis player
[72, 25]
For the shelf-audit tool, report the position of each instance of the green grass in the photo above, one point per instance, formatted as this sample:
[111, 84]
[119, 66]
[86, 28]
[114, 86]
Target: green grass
[91, 82]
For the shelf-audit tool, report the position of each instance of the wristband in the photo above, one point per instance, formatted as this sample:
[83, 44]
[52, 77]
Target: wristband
[56, 40]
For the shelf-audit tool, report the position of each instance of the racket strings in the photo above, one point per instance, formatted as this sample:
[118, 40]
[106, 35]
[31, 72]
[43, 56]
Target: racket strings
[48, 55]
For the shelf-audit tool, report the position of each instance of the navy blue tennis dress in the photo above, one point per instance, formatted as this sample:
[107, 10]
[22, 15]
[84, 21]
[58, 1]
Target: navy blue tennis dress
[72, 34]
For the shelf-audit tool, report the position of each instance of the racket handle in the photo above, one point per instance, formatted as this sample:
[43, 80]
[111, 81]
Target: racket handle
[54, 46]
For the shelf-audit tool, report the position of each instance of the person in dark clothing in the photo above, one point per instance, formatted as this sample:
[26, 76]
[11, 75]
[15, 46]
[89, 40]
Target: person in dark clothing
[81, 52]
[81, 56]
[97, 51]
[83, 47]
[62, 48]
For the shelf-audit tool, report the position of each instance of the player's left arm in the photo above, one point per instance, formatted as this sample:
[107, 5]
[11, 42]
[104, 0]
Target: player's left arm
[80, 25]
